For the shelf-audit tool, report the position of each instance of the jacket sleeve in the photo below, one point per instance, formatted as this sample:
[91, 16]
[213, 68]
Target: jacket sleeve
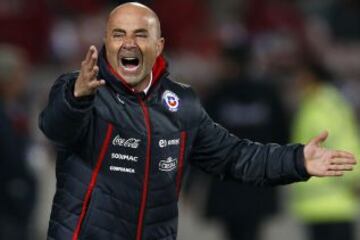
[65, 119]
[218, 152]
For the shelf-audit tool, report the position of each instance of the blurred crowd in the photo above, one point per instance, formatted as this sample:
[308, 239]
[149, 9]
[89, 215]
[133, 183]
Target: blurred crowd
[269, 70]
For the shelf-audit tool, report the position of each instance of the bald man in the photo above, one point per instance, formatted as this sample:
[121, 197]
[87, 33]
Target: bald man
[125, 134]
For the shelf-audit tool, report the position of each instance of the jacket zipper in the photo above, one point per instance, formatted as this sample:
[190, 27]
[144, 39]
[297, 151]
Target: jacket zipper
[139, 230]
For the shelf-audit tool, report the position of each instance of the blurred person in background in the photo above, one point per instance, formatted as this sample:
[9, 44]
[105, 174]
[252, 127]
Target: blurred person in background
[17, 184]
[326, 206]
[249, 108]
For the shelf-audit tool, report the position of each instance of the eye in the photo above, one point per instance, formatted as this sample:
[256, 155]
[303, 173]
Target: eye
[141, 35]
[118, 35]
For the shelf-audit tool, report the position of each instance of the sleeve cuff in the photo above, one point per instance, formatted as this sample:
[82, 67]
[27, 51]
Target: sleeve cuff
[77, 102]
[300, 163]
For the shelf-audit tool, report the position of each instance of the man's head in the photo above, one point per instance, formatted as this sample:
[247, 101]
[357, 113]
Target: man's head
[133, 42]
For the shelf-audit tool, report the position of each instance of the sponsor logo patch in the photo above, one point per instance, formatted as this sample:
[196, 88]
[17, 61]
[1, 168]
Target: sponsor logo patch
[121, 169]
[127, 143]
[168, 165]
[171, 142]
[124, 157]
[171, 100]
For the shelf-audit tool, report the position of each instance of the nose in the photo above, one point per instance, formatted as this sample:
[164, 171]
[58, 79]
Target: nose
[129, 43]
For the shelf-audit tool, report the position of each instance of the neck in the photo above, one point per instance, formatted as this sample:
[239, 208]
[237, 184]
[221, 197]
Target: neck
[144, 84]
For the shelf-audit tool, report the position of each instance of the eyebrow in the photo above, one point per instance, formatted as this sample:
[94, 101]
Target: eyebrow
[141, 30]
[118, 30]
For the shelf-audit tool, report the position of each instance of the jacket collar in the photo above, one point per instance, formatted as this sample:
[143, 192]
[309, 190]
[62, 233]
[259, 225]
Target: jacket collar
[118, 83]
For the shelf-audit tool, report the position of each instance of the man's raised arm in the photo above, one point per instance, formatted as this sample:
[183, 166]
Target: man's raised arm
[67, 115]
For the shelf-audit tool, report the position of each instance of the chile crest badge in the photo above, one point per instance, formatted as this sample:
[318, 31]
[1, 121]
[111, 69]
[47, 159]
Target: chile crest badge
[170, 100]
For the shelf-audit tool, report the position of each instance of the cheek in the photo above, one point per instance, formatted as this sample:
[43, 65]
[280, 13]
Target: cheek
[150, 58]
[150, 53]
[113, 47]
[112, 56]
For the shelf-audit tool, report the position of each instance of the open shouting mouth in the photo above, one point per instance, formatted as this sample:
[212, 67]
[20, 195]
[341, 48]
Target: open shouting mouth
[130, 60]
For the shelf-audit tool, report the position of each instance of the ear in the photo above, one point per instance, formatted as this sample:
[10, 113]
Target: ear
[160, 46]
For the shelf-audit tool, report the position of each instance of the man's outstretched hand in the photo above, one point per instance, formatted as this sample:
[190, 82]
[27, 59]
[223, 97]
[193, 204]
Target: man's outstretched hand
[321, 162]
[87, 82]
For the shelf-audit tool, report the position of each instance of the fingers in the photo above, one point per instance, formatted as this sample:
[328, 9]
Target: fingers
[90, 59]
[93, 58]
[342, 157]
[89, 69]
[96, 84]
[344, 167]
[342, 161]
[334, 174]
[88, 54]
[342, 154]
[338, 166]
[94, 72]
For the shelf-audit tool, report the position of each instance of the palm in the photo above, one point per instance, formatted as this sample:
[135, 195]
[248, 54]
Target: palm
[322, 162]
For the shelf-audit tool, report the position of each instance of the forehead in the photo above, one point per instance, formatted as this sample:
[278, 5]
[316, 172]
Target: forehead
[131, 19]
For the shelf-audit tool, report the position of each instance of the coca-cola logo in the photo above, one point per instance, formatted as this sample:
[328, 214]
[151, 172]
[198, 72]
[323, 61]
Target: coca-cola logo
[128, 143]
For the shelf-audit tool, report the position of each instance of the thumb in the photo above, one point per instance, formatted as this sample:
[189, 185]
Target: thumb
[317, 140]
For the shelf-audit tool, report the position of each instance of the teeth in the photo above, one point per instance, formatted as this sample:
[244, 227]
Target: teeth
[128, 63]
[134, 67]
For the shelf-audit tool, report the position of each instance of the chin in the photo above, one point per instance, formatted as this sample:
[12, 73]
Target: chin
[132, 81]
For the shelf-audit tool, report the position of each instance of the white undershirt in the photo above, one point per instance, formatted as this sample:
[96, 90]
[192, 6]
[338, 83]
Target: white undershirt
[149, 85]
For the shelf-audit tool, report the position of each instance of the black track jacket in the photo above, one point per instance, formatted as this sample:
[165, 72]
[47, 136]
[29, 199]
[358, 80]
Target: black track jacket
[121, 156]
